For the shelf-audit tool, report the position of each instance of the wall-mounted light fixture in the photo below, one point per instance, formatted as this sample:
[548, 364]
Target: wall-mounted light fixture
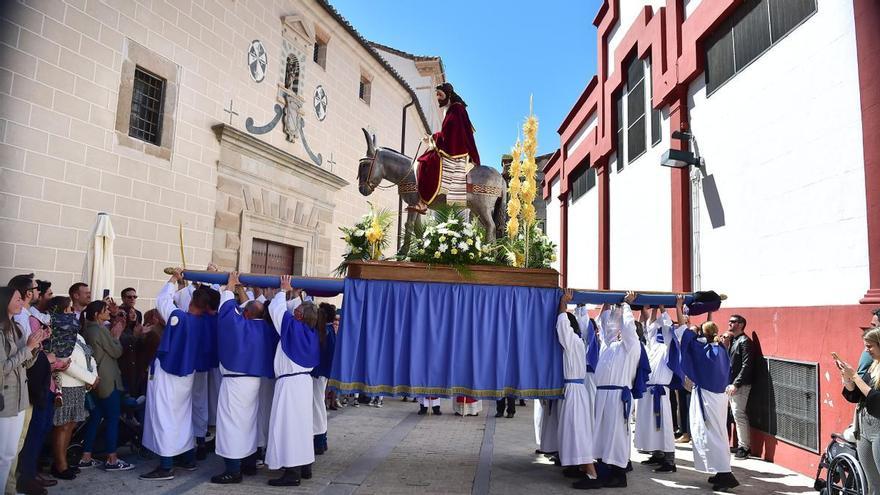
[679, 158]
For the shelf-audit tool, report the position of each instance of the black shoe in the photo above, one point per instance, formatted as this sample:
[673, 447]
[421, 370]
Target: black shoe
[226, 478]
[306, 471]
[653, 460]
[185, 465]
[30, 487]
[712, 478]
[587, 484]
[67, 474]
[158, 474]
[291, 477]
[629, 467]
[436, 410]
[320, 450]
[734, 450]
[574, 472]
[742, 453]
[249, 470]
[423, 410]
[618, 481]
[724, 482]
[509, 415]
[458, 414]
[666, 467]
[201, 452]
[522, 402]
[499, 415]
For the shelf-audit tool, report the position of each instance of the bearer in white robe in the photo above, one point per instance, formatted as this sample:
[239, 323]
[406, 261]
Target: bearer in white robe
[654, 430]
[547, 426]
[320, 375]
[290, 443]
[168, 428]
[615, 372]
[247, 345]
[707, 364]
[575, 414]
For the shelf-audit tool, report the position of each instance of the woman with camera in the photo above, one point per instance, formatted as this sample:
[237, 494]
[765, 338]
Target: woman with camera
[864, 390]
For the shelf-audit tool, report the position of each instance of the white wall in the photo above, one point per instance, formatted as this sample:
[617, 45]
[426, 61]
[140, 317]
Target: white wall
[553, 227]
[629, 10]
[583, 241]
[689, 7]
[581, 135]
[422, 85]
[783, 141]
[640, 213]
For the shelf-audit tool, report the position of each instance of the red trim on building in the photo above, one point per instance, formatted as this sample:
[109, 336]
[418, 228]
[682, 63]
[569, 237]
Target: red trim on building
[867, 14]
[563, 238]
[604, 237]
[682, 247]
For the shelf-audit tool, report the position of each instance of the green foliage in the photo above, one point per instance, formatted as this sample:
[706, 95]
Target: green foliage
[446, 239]
[367, 239]
[542, 251]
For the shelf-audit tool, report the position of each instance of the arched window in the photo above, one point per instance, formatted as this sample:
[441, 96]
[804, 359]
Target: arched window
[291, 74]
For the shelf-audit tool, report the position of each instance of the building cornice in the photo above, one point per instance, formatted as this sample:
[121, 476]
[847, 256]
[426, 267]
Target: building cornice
[252, 146]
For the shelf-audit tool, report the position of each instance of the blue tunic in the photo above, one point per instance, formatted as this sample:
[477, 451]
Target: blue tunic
[299, 342]
[245, 346]
[707, 365]
[188, 344]
[326, 364]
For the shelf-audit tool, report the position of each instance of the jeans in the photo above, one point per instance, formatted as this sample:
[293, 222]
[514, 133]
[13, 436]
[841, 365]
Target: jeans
[10, 431]
[868, 447]
[40, 426]
[109, 410]
[738, 402]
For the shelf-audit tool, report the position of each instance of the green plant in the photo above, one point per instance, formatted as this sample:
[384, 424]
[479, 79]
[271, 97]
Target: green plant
[367, 239]
[447, 239]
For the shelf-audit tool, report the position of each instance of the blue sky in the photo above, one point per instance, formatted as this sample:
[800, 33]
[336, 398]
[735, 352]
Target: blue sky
[495, 53]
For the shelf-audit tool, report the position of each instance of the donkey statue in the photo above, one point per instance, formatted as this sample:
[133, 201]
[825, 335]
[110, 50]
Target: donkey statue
[486, 190]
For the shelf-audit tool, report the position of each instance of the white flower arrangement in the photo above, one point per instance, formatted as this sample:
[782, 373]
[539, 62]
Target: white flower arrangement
[449, 240]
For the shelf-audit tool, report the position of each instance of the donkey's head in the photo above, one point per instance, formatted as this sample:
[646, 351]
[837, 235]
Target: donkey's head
[370, 171]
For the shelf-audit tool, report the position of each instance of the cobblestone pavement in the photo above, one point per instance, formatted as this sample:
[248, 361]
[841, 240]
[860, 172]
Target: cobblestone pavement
[394, 451]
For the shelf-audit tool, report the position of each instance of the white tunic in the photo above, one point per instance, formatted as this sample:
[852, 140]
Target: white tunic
[200, 403]
[575, 415]
[264, 411]
[237, 406]
[215, 377]
[648, 437]
[319, 407]
[549, 429]
[290, 441]
[168, 417]
[618, 360]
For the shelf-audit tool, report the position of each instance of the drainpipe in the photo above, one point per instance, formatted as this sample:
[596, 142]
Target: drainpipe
[402, 151]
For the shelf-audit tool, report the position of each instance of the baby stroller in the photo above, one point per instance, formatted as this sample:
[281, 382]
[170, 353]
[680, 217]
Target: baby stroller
[130, 433]
[844, 474]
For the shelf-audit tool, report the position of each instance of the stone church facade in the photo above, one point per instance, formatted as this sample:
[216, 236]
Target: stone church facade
[239, 122]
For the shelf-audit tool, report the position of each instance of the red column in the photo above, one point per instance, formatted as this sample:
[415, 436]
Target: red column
[681, 204]
[604, 237]
[563, 239]
[867, 19]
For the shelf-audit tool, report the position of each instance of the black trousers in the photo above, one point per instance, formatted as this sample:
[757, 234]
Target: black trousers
[511, 405]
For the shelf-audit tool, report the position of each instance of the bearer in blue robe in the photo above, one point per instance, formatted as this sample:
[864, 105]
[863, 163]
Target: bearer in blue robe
[290, 443]
[184, 348]
[706, 363]
[246, 345]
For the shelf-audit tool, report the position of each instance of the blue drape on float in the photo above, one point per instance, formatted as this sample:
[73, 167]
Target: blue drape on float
[436, 339]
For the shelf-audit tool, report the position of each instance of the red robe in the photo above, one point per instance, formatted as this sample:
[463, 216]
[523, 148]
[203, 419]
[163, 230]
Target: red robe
[455, 139]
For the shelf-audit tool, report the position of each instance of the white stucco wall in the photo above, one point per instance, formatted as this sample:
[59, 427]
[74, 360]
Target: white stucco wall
[783, 141]
[422, 85]
[581, 135]
[553, 227]
[629, 10]
[583, 241]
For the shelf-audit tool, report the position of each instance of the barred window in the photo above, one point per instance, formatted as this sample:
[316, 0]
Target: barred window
[582, 181]
[147, 100]
[364, 89]
[635, 111]
[752, 29]
[320, 54]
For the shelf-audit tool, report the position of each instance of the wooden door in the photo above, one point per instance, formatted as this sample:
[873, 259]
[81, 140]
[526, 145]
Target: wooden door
[271, 258]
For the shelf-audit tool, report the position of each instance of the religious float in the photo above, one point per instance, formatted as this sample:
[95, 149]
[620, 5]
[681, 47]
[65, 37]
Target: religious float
[462, 309]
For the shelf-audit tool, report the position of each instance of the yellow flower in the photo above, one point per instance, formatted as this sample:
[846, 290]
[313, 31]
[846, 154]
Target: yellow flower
[470, 242]
[442, 238]
[453, 251]
[437, 254]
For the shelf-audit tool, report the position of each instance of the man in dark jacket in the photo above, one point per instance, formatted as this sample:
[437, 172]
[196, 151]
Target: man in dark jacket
[742, 365]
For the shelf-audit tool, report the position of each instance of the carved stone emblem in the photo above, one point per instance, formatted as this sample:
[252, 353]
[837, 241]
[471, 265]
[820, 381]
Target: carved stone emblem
[320, 103]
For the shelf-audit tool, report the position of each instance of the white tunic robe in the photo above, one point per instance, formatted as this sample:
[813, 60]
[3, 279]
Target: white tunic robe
[319, 407]
[575, 415]
[618, 360]
[548, 431]
[267, 391]
[237, 407]
[290, 442]
[200, 403]
[168, 428]
[648, 437]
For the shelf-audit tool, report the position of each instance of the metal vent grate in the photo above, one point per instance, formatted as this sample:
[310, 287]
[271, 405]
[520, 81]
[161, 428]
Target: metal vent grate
[794, 389]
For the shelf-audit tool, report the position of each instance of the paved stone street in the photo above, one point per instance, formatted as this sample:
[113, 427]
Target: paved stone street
[394, 451]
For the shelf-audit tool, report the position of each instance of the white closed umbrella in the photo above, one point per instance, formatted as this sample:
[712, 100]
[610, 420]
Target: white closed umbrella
[99, 270]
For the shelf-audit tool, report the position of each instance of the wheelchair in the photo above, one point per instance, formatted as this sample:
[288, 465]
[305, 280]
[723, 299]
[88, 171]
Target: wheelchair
[844, 474]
